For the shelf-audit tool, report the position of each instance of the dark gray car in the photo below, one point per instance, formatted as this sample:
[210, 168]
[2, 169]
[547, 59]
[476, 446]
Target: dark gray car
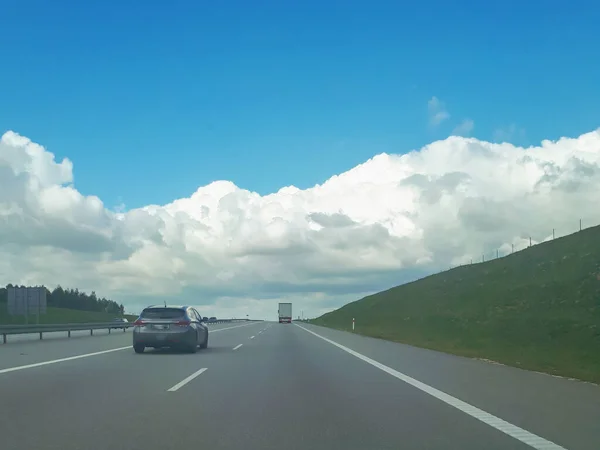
[119, 321]
[170, 326]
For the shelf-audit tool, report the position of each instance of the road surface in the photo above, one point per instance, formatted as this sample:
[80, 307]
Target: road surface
[282, 386]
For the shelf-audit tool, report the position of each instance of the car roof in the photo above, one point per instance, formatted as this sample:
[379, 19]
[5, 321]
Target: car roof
[168, 306]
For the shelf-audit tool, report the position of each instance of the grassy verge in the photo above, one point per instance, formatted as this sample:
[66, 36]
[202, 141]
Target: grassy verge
[59, 315]
[538, 309]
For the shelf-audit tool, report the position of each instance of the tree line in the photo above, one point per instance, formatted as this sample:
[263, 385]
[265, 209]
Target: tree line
[73, 299]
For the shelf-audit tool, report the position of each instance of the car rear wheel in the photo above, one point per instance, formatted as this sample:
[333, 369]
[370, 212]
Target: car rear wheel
[139, 348]
[194, 347]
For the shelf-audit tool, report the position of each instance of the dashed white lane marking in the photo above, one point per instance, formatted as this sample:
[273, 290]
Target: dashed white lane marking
[187, 380]
[251, 337]
[87, 355]
[237, 346]
[533, 440]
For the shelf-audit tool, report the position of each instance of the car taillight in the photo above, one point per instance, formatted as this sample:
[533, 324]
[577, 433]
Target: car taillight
[138, 323]
[183, 323]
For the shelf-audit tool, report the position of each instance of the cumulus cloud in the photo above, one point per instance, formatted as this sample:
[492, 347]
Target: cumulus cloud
[234, 252]
[437, 111]
[464, 128]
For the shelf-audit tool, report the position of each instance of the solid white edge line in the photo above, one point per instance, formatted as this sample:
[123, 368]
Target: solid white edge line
[187, 380]
[54, 361]
[237, 346]
[86, 355]
[230, 328]
[533, 440]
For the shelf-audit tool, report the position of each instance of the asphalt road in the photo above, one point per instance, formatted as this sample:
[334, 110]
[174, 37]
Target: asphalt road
[279, 386]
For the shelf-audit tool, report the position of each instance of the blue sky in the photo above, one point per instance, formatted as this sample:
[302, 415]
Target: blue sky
[152, 101]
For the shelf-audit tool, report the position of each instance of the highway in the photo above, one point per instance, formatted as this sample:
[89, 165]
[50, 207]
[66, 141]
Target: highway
[265, 385]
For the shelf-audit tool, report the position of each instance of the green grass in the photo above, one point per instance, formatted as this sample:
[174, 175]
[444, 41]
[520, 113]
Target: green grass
[59, 315]
[537, 309]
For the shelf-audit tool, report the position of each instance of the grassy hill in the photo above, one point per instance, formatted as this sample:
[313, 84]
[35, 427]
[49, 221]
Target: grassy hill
[537, 309]
[59, 315]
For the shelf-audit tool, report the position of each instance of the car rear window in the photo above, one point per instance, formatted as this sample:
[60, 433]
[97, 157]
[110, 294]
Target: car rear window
[162, 313]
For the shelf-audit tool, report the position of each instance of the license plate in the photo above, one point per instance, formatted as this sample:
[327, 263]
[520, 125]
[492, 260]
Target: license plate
[161, 337]
[161, 327]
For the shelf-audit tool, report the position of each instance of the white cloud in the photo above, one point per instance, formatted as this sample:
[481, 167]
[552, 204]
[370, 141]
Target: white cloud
[464, 128]
[234, 252]
[437, 111]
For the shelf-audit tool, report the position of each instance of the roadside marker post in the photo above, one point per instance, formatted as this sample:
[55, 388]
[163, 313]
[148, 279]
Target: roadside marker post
[353, 324]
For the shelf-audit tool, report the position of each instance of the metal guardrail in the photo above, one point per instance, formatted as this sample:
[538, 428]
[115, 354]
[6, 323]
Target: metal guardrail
[5, 330]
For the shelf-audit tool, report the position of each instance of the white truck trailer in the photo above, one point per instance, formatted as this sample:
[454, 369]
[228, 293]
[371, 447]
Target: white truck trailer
[285, 313]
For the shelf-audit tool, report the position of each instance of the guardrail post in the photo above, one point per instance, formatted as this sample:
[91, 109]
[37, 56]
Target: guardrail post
[40, 329]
